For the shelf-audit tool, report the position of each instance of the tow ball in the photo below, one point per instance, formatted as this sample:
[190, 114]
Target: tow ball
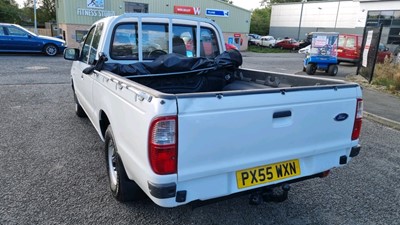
[268, 195]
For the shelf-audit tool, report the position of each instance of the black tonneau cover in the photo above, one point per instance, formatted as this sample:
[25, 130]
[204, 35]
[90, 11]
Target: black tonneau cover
[171, 64]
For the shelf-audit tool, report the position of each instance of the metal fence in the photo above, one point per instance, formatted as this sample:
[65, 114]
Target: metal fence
[41, 31]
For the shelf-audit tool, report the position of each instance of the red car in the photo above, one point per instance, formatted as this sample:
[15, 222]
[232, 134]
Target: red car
[383, 52]
[230, 46]
[288, 44]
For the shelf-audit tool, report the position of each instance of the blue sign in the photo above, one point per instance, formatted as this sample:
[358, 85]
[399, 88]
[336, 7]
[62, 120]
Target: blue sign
[217, 12]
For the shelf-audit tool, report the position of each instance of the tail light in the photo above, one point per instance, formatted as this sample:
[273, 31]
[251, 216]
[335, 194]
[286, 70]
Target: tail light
[358, 120]
[163, 137]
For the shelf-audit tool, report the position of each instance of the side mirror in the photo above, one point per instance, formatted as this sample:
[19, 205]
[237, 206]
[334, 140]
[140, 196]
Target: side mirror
[71, 54]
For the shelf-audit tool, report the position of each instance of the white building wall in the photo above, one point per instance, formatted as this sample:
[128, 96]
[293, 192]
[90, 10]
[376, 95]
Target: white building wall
[287, 15]
[321, 14]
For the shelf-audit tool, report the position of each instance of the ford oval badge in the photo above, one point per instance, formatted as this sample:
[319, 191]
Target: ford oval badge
[341, 117]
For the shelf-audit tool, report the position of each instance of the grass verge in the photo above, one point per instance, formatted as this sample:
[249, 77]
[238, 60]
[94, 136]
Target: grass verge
[388, 74]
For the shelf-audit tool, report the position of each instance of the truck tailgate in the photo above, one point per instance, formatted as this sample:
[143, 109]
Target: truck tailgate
[223, 134]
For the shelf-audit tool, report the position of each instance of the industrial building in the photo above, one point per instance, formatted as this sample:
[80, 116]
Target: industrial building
[343, 16]
[74, 17]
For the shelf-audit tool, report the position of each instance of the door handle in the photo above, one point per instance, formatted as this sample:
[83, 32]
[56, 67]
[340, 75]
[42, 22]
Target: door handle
[282, 114]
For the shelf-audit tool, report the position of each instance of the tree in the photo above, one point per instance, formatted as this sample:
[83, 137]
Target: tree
[46, 11]
[260, 19]
[9, 12]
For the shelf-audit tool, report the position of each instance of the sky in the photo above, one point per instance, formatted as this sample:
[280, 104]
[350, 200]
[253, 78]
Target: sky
[246, 4]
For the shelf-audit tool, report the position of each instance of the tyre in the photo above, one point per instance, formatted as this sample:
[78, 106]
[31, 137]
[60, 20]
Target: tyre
[332, 70]
[50, 50]
[311, 69]
[304, 69]
[123, 189]
[78, 108]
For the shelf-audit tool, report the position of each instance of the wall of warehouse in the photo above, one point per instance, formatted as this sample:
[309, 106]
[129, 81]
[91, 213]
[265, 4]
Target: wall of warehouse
[345, 16]
[75, 16]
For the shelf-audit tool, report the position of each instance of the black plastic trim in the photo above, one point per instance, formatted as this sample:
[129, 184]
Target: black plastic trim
[343, 160]
[282, 114]
[162, 191]
[355, 151]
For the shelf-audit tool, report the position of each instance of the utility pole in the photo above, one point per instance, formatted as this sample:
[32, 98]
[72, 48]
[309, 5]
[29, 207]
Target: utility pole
[34, 16]
[301, 17]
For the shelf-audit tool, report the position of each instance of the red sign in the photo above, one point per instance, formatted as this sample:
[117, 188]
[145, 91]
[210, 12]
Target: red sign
[236, 35]
[186, 10]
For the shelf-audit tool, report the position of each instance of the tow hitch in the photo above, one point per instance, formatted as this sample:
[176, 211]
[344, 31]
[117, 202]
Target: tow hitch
[269, 195]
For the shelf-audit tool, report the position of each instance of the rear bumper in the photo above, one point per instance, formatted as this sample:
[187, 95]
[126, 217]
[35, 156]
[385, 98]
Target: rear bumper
[211, 189]
[341, 59]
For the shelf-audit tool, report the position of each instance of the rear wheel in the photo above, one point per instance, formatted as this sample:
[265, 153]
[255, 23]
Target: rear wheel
[123, 189]
[311, 69]
[332, 70]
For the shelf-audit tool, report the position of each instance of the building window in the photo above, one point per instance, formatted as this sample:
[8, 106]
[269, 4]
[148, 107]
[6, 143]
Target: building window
[133, 7]
[396, 18]
[79, 34]
[394, 36]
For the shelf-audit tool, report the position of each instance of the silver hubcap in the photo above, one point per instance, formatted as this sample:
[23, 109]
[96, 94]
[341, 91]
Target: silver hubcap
[51, 50]
[112, 165]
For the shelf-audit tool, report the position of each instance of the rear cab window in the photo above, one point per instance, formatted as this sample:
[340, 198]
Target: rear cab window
[157, 39]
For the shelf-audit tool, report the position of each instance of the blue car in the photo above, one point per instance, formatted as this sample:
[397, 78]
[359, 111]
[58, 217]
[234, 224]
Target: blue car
[14, 38]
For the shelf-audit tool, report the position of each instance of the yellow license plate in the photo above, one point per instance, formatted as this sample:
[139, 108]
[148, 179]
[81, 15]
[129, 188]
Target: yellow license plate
[268, 173]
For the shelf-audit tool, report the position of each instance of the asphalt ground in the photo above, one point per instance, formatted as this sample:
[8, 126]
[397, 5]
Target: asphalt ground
[52, 168]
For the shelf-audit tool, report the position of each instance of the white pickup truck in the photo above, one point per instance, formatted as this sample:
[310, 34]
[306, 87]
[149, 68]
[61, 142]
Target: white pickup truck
[183, 123]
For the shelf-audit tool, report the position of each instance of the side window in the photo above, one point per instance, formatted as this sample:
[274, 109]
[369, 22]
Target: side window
[16, 32]
[341, 41]
[95, 43]
[125, 42]
[184, 40]
[2, 31]
[208, 43]
[86, 45]
[155, 40]
[351, 42]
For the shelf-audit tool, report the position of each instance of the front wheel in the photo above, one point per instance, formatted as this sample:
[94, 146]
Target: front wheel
[122, 188]
[50, 50]
[311, 69]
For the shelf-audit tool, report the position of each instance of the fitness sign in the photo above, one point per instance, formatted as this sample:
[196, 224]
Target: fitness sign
[95, 8]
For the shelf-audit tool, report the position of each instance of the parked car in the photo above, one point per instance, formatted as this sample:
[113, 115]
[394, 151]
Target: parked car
[289, 43]
[14, 38]
[383, 53]
[267, 41]
[254, 39]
